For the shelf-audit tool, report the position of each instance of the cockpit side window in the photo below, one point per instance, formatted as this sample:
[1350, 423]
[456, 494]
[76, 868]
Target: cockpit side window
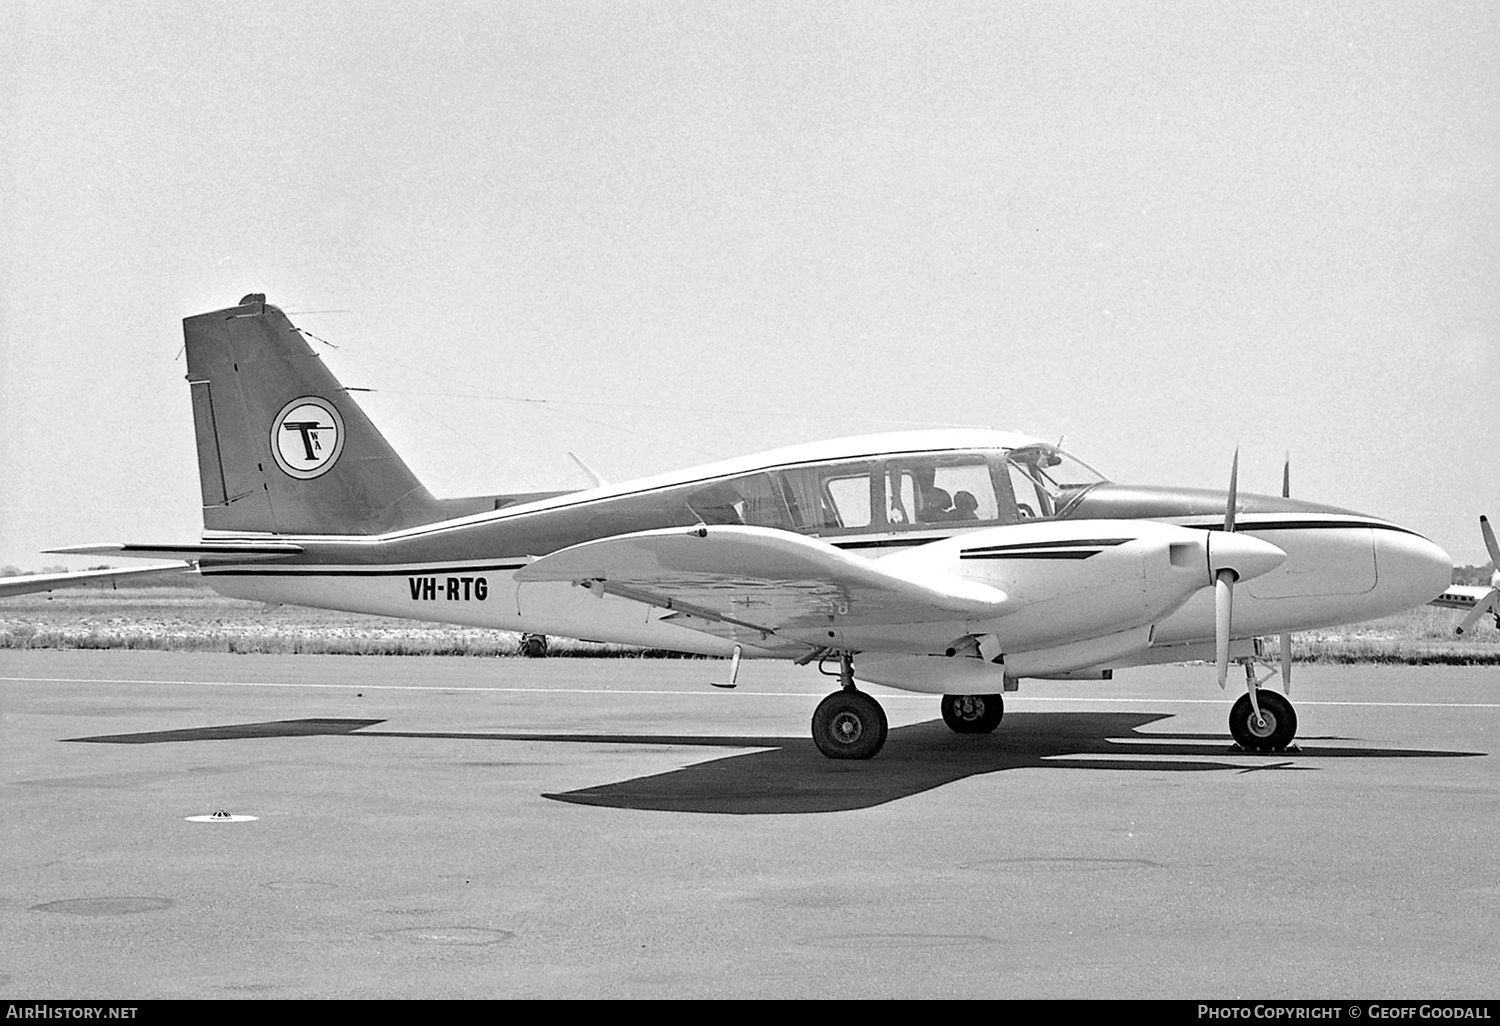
[1031, 501]
[1047, 481]
[943, 489]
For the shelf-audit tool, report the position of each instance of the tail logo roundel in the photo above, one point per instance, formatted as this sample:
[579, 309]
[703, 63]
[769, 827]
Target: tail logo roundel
[307, 437]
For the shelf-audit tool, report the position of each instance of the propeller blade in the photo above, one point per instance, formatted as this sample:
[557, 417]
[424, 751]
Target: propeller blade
[1234, 478]
[1223, 614]
[1286, 477]
[1286, 663]
[1483, 606]
[1490, 603]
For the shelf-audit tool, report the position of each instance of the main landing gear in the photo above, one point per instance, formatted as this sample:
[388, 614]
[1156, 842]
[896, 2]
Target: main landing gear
[973, 714]
[849, 724]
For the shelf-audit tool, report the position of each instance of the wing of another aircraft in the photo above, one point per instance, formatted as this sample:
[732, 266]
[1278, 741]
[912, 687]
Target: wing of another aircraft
[1477, 599]
[763, 579]
[1461, 596]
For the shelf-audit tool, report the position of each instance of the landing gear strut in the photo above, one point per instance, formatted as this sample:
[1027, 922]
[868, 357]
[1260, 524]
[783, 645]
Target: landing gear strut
[973, 714]
[848, 724]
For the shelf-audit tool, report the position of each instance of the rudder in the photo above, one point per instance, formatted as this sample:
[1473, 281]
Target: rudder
[282, 447]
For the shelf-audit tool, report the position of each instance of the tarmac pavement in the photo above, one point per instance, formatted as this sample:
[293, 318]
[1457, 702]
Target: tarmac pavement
[449, 827]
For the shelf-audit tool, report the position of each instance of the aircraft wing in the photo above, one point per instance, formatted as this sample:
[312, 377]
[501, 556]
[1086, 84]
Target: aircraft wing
[763, 579]
[47, 582]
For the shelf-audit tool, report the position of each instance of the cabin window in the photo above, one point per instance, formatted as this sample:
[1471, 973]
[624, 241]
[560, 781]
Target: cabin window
[851, 499]
[753, 500]
[830, 497]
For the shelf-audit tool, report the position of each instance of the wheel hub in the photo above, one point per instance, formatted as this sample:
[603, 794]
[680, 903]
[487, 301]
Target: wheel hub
[848, 727]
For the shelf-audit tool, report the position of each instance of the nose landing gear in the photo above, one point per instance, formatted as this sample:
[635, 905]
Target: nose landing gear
[1262, 721]
[1272, 731]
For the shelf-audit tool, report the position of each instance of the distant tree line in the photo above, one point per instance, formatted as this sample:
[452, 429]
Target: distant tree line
[1473, 574]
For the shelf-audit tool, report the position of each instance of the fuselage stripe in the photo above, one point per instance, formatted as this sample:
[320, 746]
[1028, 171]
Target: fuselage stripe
[1304, 525]
[1056, 543]
[1034, 554]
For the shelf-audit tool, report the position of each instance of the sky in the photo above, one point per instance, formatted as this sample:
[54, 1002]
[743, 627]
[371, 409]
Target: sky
[657, 234]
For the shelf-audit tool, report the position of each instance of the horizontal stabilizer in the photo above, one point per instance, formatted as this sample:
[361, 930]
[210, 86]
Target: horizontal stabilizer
[213, 551]
[47, 582]
[765, 579]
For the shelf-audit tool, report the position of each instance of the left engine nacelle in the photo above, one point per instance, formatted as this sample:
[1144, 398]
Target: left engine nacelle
[1076, 580]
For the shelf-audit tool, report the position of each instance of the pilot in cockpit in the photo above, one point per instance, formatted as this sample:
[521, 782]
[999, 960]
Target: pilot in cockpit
[936, 506]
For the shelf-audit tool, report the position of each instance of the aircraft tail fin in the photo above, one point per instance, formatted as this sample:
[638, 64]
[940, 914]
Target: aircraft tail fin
[282, 446]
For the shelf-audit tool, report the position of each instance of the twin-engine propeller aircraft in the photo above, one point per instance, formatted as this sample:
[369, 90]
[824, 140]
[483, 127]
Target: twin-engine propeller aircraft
[949, 562]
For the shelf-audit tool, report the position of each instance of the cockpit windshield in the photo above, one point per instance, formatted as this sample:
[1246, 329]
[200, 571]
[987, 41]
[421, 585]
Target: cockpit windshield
[1047, 481]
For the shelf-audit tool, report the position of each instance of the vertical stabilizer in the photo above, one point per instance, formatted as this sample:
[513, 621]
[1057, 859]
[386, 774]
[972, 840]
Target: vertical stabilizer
[282, 446]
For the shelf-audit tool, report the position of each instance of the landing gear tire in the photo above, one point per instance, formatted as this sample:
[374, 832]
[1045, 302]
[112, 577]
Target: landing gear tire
[1276, 731]
[534, 646]
[849, 724]
[973, 714]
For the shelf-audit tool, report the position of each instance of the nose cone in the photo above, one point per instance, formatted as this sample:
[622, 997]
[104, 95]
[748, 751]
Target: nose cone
[1246, 556]
[1411, 567]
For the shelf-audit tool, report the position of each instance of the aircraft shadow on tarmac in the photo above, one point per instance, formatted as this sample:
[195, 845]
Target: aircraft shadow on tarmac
[789, 775]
